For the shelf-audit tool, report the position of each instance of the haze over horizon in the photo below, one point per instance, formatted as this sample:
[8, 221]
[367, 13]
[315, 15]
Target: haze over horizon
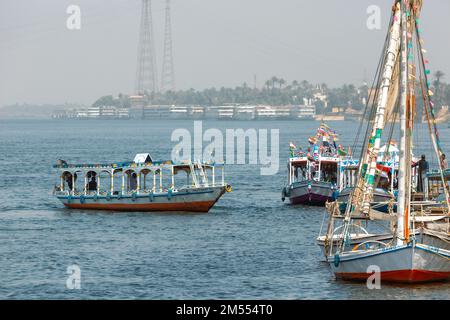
[216, 43]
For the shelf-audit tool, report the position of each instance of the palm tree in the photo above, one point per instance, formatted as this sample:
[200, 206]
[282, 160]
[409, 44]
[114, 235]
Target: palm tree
[274, 80]
[438, 75]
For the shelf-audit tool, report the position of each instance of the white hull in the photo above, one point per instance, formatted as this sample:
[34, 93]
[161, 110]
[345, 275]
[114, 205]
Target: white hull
[408, 263]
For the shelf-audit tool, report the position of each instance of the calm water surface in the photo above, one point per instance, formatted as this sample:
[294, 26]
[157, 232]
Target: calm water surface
[250, 245]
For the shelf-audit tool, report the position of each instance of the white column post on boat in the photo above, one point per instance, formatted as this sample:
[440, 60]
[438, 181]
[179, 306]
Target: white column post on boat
[85, 184]
[293, 174]
[290, 174]
[98, 183]
[402, 208]
[123, 181]
[138, 184]
[112, 181]
[349, 178]
[154, 181]
[213, 176]
[73, 183]
[320, 167]
[392, 176]
[172, 171]
[223, 175]
[160, 180]
[338, 176]
[61, 182]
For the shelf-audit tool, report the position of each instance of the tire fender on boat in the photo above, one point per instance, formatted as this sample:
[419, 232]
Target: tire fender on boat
[108, 196]
[337, 260]
[283, 194]
[134, 196]
[150, 196]
[169, 194]
[82, 199]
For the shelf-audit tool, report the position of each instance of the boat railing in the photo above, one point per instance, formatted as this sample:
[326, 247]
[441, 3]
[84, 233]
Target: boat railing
[365, 243]
[78, 193]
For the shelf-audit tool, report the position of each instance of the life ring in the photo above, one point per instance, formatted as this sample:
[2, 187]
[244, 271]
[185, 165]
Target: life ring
[228, 188]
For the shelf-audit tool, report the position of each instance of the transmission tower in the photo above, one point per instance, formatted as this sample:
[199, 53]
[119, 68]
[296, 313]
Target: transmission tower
[168, 72]
[146, 74]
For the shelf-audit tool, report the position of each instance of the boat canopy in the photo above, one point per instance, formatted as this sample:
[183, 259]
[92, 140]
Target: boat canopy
[153, 166]
[388, 155]
[143, 158]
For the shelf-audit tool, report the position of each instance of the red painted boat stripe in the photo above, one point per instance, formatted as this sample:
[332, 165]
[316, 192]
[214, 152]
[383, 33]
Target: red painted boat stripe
[400, 276]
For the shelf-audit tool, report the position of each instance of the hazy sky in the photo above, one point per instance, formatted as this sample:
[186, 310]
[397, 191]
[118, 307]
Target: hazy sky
[216, 43]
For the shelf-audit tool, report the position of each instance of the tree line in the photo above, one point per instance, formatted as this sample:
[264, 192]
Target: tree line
[276, 91]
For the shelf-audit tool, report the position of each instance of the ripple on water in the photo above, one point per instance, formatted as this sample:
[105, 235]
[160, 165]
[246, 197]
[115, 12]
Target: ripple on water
[250, 246]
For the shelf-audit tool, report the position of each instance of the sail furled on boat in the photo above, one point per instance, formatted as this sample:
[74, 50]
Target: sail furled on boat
[387, 96]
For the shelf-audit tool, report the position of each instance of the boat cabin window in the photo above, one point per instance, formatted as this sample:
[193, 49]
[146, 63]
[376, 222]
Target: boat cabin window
[329, 172]
[300, 172]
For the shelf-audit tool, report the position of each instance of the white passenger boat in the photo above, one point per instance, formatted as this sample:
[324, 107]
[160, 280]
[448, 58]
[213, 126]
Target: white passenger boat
[141, 185]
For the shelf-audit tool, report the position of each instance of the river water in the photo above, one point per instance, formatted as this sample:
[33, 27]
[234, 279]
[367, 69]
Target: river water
[250, 245]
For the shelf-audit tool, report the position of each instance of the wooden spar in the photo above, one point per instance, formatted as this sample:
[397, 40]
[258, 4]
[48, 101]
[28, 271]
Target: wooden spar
[403, 181]
[371, 155]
